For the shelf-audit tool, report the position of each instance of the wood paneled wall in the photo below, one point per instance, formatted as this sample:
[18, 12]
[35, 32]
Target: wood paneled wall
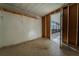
[46, 26]
[70, 25]
[65, 25]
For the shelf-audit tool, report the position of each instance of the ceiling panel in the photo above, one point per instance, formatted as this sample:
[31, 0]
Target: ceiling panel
[39, 9]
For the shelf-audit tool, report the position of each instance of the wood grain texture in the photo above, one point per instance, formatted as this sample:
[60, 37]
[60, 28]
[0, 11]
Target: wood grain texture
[46, 26]
[65, 22]
[72, 24]
[43, 26]
[78, 25]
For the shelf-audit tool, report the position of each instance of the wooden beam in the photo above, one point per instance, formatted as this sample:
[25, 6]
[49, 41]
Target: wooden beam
[16, 12]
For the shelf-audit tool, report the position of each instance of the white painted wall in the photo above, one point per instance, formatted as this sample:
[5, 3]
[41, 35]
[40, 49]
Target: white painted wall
[18, 28]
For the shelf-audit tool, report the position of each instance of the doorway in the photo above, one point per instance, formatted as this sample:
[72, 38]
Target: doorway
[55, 28]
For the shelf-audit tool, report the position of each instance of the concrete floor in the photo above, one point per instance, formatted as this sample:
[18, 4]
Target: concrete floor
[55, 49]
[55, 37]
[39, 47]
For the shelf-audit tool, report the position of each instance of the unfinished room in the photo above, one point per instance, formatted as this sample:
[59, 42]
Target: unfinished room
[39, 29]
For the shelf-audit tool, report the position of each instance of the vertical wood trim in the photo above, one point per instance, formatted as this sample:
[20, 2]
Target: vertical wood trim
[68, 26]
[62, 26]
[78, 25]
[45, 27]
[48, 26]
[77, 28]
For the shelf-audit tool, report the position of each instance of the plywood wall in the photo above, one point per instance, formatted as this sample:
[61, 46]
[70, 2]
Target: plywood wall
[65, 25]
[72, 24]
[46, 26]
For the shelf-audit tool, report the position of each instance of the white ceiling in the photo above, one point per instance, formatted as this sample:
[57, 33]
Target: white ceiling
[39, 9]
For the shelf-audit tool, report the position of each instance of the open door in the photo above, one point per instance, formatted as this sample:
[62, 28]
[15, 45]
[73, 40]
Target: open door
[56, 28]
